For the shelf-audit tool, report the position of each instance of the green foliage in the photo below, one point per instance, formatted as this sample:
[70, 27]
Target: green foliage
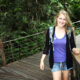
[77, 31]
[30, 16]
[20, 18]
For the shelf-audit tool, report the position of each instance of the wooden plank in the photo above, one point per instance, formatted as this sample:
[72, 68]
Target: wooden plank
[36, 61]
[5, 75]
[30, 70]
[12, 71]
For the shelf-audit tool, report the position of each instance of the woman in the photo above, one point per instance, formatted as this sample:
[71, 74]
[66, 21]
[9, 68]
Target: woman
[61, 48]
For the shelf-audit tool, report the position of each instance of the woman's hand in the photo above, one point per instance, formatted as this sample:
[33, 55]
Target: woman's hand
[76, 51]
[42, 62]
[42, 65]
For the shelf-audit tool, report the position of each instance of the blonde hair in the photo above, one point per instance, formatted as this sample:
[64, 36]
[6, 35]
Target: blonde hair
[68, 21]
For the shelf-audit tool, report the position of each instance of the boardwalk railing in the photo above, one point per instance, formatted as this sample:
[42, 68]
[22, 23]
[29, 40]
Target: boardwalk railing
[22, 47]
[76, 72]
[76, 59]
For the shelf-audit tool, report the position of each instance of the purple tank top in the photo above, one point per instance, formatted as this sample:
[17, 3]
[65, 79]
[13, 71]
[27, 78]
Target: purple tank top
[59, 49]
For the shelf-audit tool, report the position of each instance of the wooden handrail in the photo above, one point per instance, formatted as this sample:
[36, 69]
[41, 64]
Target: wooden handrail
[76, 60]
[76, 71]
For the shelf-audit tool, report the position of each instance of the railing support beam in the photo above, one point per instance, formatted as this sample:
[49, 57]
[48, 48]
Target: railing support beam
[2, 54]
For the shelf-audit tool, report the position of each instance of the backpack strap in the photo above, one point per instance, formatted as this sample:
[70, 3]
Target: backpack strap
[50, 34]
[69, 32]
[69, 35]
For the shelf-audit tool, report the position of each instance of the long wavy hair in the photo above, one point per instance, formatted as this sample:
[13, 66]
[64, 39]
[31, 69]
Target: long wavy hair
[68, 21]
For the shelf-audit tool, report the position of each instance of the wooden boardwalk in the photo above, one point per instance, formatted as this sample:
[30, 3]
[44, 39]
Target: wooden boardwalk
[26, 69]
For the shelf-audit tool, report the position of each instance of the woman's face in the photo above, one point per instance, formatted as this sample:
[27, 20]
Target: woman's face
[61, 20]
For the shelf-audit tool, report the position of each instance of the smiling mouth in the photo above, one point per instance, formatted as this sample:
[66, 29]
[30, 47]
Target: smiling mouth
[61, 23]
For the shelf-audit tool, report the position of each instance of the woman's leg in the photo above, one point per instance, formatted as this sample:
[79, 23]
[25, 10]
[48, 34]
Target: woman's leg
[65, 74]
[56, 75]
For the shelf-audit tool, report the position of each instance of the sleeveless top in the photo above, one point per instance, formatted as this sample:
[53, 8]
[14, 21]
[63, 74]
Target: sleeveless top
[59, 49]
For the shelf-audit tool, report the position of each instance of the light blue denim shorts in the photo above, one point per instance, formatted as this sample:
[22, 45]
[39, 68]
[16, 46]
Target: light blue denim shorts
[58, 66]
